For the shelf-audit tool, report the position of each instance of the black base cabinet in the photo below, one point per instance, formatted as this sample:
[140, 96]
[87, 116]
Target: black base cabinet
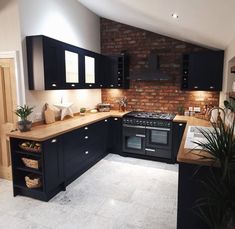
[115, 136]
[50, 172]
[190, 189]
[178, 132]
[83, 148]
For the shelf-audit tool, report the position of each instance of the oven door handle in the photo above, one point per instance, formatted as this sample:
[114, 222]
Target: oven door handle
[158, 128]
[130, 126]
[151, 150]
[140, 135]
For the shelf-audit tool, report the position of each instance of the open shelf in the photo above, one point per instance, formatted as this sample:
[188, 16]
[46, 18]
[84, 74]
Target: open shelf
[22, 185]
[38, 155]
[30, 170]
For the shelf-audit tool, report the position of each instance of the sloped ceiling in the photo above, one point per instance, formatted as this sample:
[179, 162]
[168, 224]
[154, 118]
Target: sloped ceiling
[210, 23]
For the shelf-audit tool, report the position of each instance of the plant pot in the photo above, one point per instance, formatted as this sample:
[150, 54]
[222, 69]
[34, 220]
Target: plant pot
[82, 113]
[24, 125]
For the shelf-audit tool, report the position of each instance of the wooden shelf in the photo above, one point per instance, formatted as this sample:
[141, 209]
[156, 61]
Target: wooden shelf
[38, 155]
[22, 185]
[30, 170]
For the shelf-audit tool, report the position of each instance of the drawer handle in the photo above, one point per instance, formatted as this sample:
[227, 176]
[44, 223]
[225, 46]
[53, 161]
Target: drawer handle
[54, 140]
[86, 137]
[140, 135]
[106, 120]
[86, 152]
[115, 119]
[101, 85]
[211, 87]
[195, 87]
[181, 124]
[53, 85]
[111, 85]
[90, 85]
[150, 150]
[86, 128]
[73, 85]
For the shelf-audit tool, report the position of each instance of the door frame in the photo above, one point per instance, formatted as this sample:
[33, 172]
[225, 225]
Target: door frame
[19, 79]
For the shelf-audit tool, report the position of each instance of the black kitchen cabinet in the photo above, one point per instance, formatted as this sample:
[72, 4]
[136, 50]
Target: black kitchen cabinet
[178, 132]
[190, 189]
[50, 172]
[83, 148]
[115, 135]
[203, 71]
[114, 71]
[45, 57]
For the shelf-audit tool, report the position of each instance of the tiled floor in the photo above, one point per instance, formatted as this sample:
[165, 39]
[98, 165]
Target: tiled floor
[116, 193]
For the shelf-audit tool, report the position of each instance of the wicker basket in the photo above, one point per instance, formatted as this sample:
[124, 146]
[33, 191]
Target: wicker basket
[31, 163]
[33, 181]
[29, 149]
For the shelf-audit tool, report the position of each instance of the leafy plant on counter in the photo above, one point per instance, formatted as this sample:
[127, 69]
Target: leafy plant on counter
[24, 111]
[217, 206]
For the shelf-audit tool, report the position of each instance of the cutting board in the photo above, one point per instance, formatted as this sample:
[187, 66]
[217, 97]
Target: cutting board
[49, 114]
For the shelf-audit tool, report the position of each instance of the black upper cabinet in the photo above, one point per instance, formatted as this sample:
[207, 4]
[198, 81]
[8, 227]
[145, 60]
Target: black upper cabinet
[203, 71]
[54, 64]
[45, 63]
[115, 71]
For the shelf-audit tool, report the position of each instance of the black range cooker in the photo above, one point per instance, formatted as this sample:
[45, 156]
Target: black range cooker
[149, 134]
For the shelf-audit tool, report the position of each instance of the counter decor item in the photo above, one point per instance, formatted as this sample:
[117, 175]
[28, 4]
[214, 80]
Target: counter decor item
[49, 114]
[180, 109]
[23, 112]
[122, 103]
[33, 181]
[217, 206]
[82, 111]
[103, 107]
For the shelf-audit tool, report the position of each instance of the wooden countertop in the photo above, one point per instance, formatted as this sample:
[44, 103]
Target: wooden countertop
[47, 131]
[187, 155]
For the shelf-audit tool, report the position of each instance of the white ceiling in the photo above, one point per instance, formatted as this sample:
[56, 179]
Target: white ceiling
[209, 23]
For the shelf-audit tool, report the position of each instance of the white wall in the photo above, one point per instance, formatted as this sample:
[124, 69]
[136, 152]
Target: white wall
[228, 78]
[67, 21]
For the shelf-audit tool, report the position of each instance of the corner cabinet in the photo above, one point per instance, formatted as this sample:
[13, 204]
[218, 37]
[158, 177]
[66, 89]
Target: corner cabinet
[203, 71]
[50, 170]
[53, 64]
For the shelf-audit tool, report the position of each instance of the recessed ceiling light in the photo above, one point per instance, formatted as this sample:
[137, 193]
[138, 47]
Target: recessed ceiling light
[175, 15]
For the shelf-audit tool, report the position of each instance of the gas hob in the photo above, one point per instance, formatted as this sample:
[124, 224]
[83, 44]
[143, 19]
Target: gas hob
[150, 115]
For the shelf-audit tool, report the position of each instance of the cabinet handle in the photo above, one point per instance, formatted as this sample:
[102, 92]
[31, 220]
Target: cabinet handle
[151, 150]
[73, 85]
[86, 152]
[111, 85]
[211, 87]
[86, 137]
[140, 135]
[90, 85]
[181, 124]
[101, 85]
[86, 128]
[115, 119]
[119, 85]
[54, 140]
[106, 120]
[53, 85]
[195, 87]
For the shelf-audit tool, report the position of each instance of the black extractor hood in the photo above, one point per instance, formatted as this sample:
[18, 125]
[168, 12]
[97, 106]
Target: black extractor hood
[152, 72]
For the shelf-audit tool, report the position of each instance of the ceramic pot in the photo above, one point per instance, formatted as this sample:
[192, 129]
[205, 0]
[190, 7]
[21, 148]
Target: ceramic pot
[24, 125]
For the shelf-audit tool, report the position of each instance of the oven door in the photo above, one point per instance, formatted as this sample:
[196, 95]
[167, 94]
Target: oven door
[133, 139]
[158, 137]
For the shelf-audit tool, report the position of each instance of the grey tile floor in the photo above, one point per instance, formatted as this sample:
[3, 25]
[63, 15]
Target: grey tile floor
[116, 193]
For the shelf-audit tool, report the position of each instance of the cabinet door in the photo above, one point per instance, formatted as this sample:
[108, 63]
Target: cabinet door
[116, 135]
[53, 167]
[178, 132]
[53, 58]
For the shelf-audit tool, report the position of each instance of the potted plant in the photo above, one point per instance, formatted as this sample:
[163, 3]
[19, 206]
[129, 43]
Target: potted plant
[217, 206]
[82, 111]
[23, 112]
[122, 103]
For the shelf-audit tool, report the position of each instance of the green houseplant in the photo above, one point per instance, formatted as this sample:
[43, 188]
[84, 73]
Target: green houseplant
[23, 112]
[82, 111]
[217, 206]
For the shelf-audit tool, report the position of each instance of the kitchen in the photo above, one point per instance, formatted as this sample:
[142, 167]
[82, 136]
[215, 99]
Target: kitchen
[113, 38]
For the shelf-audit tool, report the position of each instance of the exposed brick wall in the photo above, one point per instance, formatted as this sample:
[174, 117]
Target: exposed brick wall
[151, 95]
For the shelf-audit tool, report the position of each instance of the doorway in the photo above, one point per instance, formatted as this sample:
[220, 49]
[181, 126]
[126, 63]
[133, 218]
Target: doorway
[8, 119]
